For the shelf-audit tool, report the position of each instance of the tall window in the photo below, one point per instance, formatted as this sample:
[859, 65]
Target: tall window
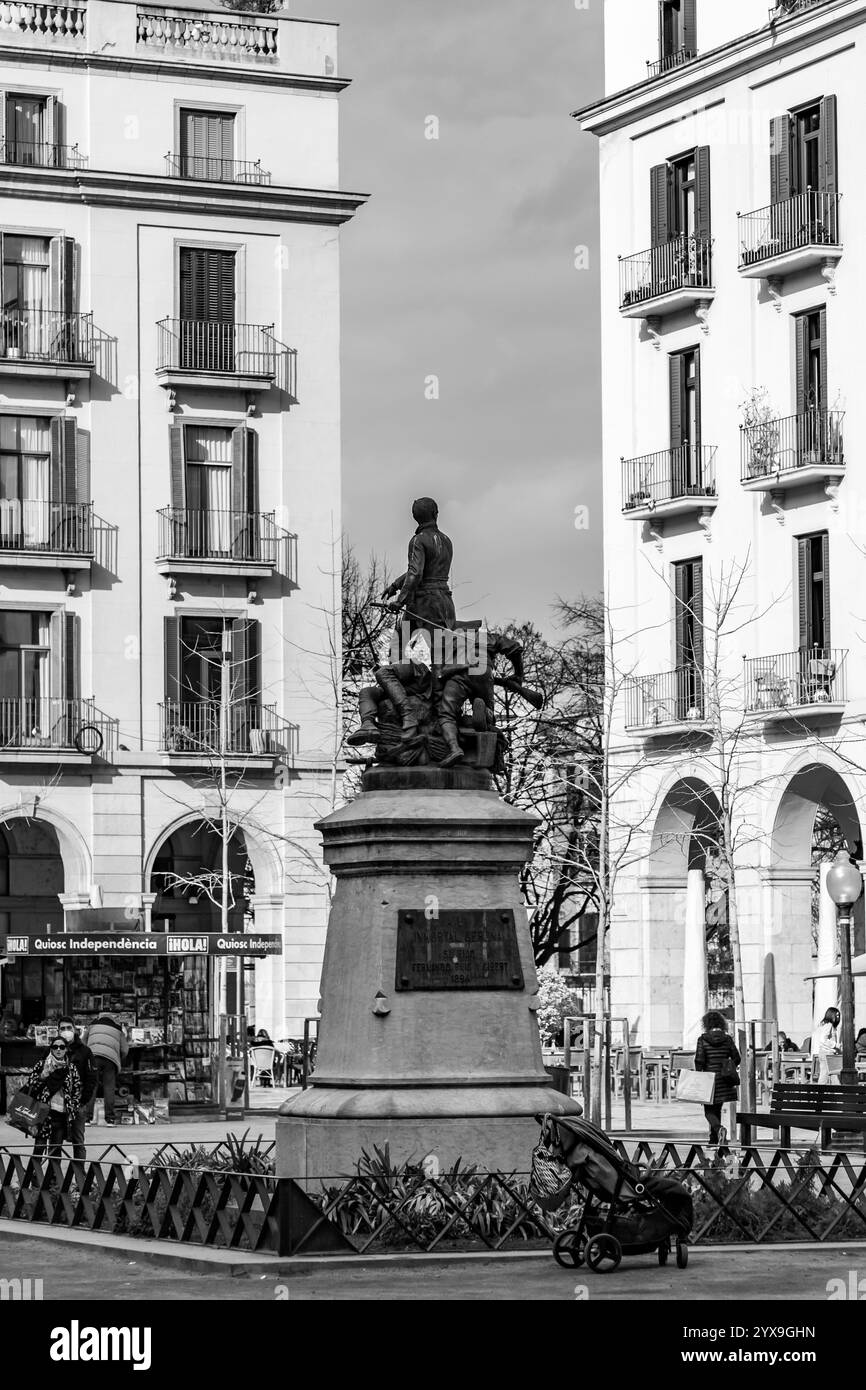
[25, 467]
[813, 565]
[680, 221]
[29, 129]
[205, 657]
[806, 164]
[207, 309]
[684, 196]
[685, 420]
[208, 454]
[811, 334]
[677, 31]
[24, 675]
[689, 636]
[803, 153]
[207, 141]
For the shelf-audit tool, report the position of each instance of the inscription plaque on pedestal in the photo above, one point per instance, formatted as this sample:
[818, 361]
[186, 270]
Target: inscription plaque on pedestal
[471, 949]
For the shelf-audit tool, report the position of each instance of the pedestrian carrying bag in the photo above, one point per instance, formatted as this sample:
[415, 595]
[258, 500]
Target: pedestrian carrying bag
[696, 1086]
[27, 1114]
[551, 1176]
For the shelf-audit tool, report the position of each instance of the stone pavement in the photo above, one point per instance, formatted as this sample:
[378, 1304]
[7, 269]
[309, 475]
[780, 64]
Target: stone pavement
[72, 1273]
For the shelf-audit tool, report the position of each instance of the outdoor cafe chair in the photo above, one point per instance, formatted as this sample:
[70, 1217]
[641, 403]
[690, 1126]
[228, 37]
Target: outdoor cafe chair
[262, 1064]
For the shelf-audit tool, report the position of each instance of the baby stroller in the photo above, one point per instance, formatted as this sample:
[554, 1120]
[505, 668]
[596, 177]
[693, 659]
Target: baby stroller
[624, 1212]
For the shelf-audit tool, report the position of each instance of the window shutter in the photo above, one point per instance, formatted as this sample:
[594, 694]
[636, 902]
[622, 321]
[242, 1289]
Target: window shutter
[676, 395]
[697, 439]
[191, 283]
[51, 129]
[680, 614]
[801, 330]
[61, 274]
[64, 464]
[822, 403]
[659, 205]
[828, 156]
[662, 54]
[57, 665]
[804, 586]
[81, 485]
[702, 192]
[690, 26]
[2, 119]
[72, 645]
[226, 137]
[57, 471]
[177, 466]
[171, 640]
[242, 438]
[825, 566]
[698, 611]
[245, 660]
[70, 453]
[780, 158]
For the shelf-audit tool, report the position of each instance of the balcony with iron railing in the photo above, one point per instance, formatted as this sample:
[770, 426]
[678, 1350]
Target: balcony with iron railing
[806, 684]
[669, 61]
[44, 725]
[40, 154]
[39, 342]
[796, 234]
[207, 352]
[665, 279]
[207, 729]
[197, 541]
[666, 704]
[793, 451]
[196, 166]
[39, 533]
[670, 482]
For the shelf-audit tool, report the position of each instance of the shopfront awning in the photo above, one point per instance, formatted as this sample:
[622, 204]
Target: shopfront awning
[858, 967]
[69, 944]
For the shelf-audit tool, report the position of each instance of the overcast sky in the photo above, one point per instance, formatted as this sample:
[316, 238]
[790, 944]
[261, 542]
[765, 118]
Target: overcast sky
[462, 267]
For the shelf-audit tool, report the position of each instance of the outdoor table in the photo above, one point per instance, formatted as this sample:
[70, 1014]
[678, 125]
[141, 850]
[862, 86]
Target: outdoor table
[654, 1066]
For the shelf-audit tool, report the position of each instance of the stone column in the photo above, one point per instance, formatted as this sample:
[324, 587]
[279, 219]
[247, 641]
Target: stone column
[694, 958]
[663, 961]
[826, 991]
[268, 911]
[788, 935]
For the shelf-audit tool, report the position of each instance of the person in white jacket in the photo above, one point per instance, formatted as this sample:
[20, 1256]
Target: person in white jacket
[825, 1043]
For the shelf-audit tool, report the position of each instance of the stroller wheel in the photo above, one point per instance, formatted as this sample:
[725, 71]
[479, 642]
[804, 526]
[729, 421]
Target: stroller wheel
[568, 1250]
[603, 1253]
[664, 1251]
[682, 1254]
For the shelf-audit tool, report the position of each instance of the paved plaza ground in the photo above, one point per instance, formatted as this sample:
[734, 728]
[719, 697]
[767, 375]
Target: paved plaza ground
[90, 1274]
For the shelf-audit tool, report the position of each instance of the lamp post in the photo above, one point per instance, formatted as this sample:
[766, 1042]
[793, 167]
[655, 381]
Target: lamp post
[845, 884]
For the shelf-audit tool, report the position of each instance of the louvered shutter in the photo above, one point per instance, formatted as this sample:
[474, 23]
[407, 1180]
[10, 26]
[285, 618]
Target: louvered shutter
[61, 274]
[675, 370]
[690, 26]
[72, 644]
[659, 205]
[171, 643]
[825, 566]
[828, 155]
[801, 333]
[680, 615]
[780, 158]
[804, 591]
[702, 192]
[82, 493]
[192, 300]
[822, 317]
[177, 466]
[63, 475]
[696, 442]
[697, 607]
[57, 657]
[51, 132]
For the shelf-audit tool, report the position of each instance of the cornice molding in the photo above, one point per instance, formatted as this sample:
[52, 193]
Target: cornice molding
[73, 57]
[106, 188]
[720, 66]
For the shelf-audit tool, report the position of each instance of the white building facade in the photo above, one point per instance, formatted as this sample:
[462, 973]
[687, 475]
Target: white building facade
[732, 205]
[170, 469]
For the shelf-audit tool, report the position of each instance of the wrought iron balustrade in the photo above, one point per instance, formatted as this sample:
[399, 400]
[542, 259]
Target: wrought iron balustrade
[684, 262]
[806, 219]
[668, 475]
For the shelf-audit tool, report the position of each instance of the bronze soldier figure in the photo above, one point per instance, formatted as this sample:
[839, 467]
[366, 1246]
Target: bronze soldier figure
[461, 683]
[423, 591]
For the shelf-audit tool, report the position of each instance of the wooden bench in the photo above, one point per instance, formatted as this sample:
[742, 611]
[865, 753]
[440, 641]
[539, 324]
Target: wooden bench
[796, 1106]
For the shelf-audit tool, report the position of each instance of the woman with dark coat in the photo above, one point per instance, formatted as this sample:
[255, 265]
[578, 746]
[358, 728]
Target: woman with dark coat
[717, 1052]
[57, 1083]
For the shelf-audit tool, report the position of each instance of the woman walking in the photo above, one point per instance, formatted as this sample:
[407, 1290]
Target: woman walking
[717, 1052]
[825, 1044]
[56, 1082]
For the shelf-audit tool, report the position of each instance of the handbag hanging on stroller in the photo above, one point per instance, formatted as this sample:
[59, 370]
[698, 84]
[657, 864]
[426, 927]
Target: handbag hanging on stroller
[624, 1212]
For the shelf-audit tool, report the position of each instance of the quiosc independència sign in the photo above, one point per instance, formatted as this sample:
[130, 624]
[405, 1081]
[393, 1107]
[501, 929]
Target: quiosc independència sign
[123, 943]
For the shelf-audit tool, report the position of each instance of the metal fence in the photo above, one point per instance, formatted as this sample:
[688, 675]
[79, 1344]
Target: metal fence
[60, 528]
[810, 676]
[37, 154]
[668, 61]
[190, 534]
[46, 335]
[45, 722]
[205, 728]
[689, 471]
[748, 1195]
[196, 166]
[806, 219]
[669, 697]
[240, 349]
[811, 439]
[685, 262]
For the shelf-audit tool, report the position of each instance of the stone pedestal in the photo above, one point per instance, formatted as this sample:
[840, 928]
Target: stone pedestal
[452, 1071]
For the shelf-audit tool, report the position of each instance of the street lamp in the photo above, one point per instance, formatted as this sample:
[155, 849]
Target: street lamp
[845, 884]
